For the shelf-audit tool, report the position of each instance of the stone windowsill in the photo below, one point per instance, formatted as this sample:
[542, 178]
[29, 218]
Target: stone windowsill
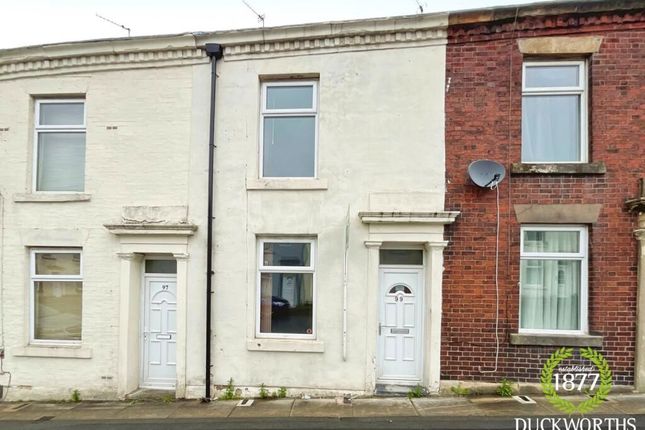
[285, 345]
[53, 351]
[288, 184]
[556, 340]
[51, 197]
[595, 168]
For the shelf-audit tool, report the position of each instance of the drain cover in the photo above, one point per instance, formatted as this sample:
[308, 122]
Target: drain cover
[245, 402]
[525, 400]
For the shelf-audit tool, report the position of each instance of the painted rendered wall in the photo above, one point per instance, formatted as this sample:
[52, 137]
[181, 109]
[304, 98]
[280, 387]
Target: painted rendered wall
[380, 131]
[156, 150]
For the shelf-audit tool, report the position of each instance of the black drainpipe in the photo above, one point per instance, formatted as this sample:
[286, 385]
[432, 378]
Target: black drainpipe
[214, 51]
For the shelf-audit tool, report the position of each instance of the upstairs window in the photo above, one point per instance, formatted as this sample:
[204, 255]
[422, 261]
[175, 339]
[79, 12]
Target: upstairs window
[59, 145]
[289, 129]
[554, 112]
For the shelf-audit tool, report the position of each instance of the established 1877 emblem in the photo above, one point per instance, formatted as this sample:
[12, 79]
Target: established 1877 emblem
[573, 378]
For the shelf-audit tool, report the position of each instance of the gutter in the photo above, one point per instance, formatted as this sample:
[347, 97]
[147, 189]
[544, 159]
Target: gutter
[215, 52]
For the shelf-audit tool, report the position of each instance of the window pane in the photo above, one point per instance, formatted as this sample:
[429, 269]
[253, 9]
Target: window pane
[552, 76]
[401, 256]
[551, 241]
[286, 303]
[551, 128]
[296, 97]
[550, 294]
[56, 263]
[62, 113]
[289, 146]
[61, 162]
[57, 307]
[161, 266]
[287, 254]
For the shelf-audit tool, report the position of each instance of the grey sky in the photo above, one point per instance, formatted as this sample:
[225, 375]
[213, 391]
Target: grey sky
[30, 22]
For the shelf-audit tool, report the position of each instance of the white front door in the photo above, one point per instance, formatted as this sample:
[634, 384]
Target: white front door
[159, 332]
[400, 329]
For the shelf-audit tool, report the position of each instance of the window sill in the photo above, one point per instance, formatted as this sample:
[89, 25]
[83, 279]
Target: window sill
[595, 168]
[294, 184]
[285, 345]
[53, 351]
[51, 197]
[556, 340]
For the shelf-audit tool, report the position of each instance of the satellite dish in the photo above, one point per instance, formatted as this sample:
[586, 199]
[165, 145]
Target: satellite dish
[486, 173]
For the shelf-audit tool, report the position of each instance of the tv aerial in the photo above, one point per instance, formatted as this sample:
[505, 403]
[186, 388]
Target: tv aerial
[260, 16]
[128, 29]
[486, 173]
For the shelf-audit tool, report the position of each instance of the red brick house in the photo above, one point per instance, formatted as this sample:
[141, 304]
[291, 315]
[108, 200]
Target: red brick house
[554, 92]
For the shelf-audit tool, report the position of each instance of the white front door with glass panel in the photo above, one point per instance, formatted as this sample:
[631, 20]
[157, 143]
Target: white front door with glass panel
[159, 332]
[400, 326]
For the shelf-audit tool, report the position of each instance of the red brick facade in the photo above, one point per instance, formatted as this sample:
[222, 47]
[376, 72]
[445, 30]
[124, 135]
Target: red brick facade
[483, 111]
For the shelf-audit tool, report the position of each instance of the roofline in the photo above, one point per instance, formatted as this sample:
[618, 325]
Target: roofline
[543, 8]
[196, 40]
[226, 37]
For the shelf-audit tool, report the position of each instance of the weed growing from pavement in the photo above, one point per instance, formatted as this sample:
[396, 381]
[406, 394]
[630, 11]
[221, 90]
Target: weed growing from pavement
[416, 392]
[76, 396]
[505, 388]
[264, 393]
[229, 391]
[460, 391]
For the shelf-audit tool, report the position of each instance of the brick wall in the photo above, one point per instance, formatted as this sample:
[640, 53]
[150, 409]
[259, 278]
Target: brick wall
[483, 111]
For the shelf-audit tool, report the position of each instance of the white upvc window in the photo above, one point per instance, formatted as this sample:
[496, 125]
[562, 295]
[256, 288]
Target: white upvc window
[286, 288]
[59, 145]
[553, 279]
[554, 112]
[289, 129]
[56, 296]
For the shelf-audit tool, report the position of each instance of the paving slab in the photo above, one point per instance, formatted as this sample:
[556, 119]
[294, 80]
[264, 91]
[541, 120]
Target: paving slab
[629, 404]
[145, 410]
[264, 408]
[34, 411]
[609, 407]
[444, 406]
[93, 411]
[197, 409]
[507, 407]
[320, 408]
[396, 407]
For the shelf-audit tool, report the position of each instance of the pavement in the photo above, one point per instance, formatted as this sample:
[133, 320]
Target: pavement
[302, 413]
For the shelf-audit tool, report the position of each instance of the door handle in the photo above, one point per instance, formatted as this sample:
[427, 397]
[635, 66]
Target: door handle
[380, 325]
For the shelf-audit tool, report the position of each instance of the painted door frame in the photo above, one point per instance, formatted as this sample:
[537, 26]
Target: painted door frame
[420, 320]
[143, 353]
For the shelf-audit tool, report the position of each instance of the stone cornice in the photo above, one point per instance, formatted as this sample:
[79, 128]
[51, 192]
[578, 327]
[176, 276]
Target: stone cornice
[100, 61]
[332, 42]
[159, 51]
[170, 50]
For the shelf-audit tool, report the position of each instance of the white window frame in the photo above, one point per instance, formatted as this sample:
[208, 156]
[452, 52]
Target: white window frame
[285, 269]
[581, 255]
[276, 113]
[38, 129]
[580, 90]
[32, 286]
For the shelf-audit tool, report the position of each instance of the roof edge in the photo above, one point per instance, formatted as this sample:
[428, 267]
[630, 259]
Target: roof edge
[545, 8]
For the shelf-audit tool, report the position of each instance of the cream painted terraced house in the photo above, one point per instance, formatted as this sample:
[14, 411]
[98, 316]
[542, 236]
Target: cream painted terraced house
[323, 146]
